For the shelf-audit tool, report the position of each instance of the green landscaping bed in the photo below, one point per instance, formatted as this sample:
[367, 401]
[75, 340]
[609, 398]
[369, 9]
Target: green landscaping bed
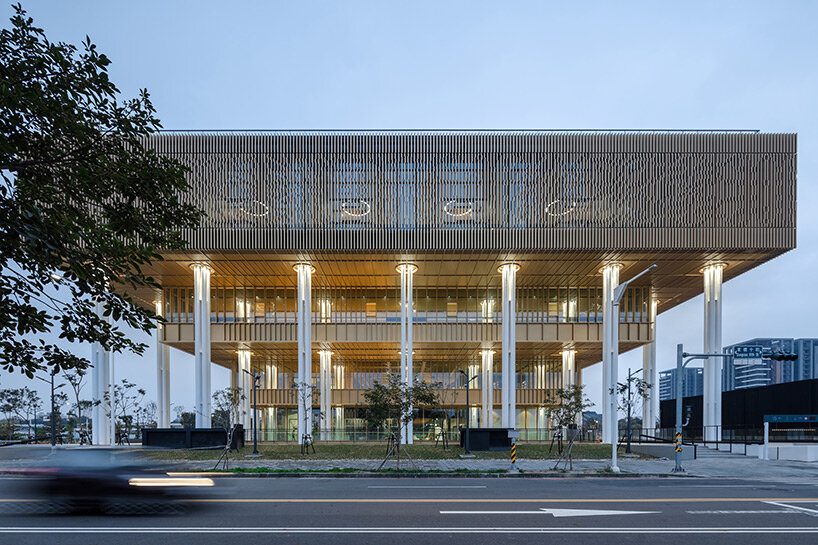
[374, 451]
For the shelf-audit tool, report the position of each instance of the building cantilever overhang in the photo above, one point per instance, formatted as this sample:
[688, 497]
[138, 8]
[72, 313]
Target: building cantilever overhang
[561, 203]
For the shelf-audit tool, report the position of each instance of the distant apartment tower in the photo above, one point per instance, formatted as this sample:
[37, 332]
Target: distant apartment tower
[738, 376]
[692, 383]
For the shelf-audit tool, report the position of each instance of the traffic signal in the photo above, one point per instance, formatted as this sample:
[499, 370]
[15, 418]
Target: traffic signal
[781, 356]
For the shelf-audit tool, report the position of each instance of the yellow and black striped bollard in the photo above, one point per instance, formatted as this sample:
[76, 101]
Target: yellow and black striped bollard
[513, 467]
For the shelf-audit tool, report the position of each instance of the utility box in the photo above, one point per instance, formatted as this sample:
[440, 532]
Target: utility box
[487, 438]
[176, 438]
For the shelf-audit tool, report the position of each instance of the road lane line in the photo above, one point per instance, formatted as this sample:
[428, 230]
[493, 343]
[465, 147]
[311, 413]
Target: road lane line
[490, 500]
[782, 503]
[422, 487]
[745, 512]
[406, 530]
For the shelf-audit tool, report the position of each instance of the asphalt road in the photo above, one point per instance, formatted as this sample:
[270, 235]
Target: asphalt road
[451, 511]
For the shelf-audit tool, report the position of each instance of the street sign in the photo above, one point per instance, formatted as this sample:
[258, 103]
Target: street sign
[791, 418]
[748, 355]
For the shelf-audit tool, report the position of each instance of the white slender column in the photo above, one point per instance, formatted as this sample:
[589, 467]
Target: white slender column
[508, 410]
[649, 372]
[201, 343]
[568, 368]
[162, 372]
[712, 345]
[325, 360]
[610, 355]
[304, 329]
[487, 393]
[569, 373]
[101, 418]
[407, 374]
[338, 412]
[244, 381]
[474, 408]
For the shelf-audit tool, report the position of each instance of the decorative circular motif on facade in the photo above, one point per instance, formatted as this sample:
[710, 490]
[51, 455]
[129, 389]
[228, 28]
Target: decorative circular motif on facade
[458, 208]
[356, 209]
[257, 209]
[560, 211]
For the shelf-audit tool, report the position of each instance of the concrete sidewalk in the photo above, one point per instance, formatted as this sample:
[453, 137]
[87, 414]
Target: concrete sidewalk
[720, 465]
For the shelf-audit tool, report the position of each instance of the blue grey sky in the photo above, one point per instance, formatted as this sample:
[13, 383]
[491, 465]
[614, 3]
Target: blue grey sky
[493, 65]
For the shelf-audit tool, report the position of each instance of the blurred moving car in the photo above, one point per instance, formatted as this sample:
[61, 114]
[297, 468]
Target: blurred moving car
[113, 481]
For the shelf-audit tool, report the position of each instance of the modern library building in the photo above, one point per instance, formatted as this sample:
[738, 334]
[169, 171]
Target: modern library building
[332, 258]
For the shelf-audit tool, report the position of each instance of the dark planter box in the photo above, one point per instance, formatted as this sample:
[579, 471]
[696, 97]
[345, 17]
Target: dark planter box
[191, 437]
[486, 438]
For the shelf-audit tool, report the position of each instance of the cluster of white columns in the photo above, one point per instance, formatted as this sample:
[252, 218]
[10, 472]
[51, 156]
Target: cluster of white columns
[338, 383]
[162, 372]
[712, 345]
[407, 374]
[304, 331]
[610, 353]
[649, 372]
[487, 393]
[103, 422]
[201, 342]
[325, 382]
[244, 382]
[508, 410]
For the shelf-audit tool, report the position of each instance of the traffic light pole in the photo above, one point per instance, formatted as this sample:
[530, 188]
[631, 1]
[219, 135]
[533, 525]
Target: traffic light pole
[682, 359]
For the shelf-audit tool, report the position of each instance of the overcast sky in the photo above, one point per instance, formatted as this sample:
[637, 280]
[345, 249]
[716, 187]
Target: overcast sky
[489, 65]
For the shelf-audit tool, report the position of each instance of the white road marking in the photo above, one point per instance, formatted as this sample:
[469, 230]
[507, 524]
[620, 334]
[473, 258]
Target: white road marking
[746, 512]
[813, 512]
[406, 530]
[417, 487]
[711, 485]
[557, 513]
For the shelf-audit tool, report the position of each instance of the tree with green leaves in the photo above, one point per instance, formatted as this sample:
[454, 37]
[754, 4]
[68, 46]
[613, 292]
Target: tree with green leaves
[570, 403]
[226, 403]
[126, 399]
[391, 407]
[76, 381]
[85, 204]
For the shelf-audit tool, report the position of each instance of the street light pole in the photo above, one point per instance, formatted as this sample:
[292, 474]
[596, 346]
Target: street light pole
[468, 408]
[630, 379]
[53, 410]
[618, 293]
[256, 378]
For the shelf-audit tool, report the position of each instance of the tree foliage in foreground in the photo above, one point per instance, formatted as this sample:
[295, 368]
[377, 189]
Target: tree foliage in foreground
[84, 204]
[391, 405]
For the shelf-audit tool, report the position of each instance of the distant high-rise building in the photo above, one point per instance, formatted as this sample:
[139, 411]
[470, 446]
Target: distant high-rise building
[736, 375]
[692, 383]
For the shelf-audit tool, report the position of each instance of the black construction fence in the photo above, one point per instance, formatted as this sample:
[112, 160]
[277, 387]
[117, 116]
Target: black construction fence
[743, 411]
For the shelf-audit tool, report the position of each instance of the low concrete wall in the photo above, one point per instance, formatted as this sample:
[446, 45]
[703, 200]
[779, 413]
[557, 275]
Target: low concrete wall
[664, 450]
[796, 452]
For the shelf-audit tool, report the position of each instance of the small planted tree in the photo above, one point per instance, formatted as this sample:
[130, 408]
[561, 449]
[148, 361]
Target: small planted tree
[571, 402]
[630, 395]
[304, 391]
[126, 400]
[226, 405]
[391, 406]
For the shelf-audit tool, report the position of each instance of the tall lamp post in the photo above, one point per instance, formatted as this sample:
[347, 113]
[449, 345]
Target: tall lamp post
[468, 408]
[618, 293]
[53, 410]
[256, 380]
[630, 379]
